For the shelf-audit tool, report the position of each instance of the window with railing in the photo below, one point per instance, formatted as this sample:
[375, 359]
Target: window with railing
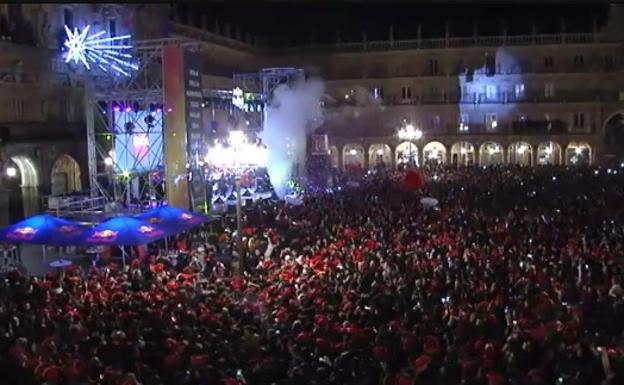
[549, 62]
[436, 122]
[406, 93]
[490, 121]
[433, 67]
[608, 62]
[491, 92]
[519, 90]
[578, 120]
[579, 61]
[549, 90]
[464, 123]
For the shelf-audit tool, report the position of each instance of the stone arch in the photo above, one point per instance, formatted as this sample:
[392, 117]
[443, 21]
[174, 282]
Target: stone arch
[406, 153]
[29, 176]
[434, 153]
[613, 139]
[549, 153]
[462, 153]
[65, 175]
[578, 153]
[379, 155]
[23, 169]
[335, 156]
[491, 153]
[520, 153]
[352, 156]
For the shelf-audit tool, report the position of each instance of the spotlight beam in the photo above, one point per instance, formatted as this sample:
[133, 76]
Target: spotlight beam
[96, 50]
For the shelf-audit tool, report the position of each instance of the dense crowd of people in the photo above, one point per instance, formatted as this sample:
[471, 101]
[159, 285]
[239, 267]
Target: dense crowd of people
[515, 278]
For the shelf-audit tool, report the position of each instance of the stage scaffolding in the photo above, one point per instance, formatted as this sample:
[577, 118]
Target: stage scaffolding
[123, 114]
[264, 83]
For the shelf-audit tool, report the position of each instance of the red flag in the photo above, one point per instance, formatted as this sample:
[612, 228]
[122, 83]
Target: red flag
[413, 180]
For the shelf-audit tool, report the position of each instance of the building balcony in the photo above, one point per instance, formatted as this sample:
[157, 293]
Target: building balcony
[451, 42]
[587, 96]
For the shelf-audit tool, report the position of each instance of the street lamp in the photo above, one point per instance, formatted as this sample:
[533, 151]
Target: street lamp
[11, 171]
[411, 134]
[235, 154]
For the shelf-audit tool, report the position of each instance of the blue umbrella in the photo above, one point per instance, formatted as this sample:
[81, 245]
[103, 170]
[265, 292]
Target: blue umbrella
[43, 230]
[122, 231]
[172, 219]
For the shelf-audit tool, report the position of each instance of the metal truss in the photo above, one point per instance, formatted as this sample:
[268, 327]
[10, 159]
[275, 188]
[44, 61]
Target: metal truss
[264, 83]
[123, 115]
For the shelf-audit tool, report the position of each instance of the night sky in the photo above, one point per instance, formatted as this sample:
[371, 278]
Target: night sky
[290, 23]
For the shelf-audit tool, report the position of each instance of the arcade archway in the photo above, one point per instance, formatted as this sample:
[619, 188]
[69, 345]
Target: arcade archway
[434, 153]
[23, 184]
[379, 155]
[462, 153]
[334, 155]
[549, 153]
[406, 154]
[520, 153]
[614, 135]
[353, 156]
[491, 153]
[578, 154]
[65, 176]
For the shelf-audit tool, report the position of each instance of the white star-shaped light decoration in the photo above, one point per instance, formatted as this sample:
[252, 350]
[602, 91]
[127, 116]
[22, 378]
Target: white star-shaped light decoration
[94, 49]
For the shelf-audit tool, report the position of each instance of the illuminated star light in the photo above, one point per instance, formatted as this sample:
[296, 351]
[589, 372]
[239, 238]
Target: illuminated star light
[100, 51]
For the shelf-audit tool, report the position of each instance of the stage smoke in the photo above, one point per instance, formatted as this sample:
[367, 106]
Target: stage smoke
[294, 113]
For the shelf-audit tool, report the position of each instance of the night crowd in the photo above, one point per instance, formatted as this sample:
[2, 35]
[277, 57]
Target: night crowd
[515, 278]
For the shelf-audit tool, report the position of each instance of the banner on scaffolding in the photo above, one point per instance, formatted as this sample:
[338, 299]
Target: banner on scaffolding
[174, 95]
[194, 129]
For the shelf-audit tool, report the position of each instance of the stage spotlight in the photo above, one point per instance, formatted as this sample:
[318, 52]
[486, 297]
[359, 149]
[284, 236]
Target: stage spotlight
[149, 120]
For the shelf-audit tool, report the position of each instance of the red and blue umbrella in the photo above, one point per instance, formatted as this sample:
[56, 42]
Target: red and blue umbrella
[122, 231]
[172, 219]
[43, 230]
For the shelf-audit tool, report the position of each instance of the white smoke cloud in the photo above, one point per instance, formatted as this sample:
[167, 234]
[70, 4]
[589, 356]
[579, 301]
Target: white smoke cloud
[294, 113]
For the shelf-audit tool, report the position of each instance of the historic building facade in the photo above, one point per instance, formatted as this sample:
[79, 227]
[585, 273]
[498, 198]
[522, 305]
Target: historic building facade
[529, 100]
[534, 99]
[43, 147]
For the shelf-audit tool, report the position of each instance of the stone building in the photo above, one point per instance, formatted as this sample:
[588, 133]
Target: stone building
[530, 100]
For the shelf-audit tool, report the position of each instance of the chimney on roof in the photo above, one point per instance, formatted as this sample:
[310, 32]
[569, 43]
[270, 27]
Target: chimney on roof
[227, 30]
[239, 34]
[247, 38]
[216, 28]
[204, 22]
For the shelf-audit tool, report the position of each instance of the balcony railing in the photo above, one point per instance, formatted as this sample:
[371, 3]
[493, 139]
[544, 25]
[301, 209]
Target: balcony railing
[454, 42]
[586, 96]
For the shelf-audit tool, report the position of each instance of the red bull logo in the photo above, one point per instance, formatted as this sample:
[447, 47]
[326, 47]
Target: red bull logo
[189, 218]
[23, 233]
[154, 220]
[149, 231]
[104, 235]
[68, 230]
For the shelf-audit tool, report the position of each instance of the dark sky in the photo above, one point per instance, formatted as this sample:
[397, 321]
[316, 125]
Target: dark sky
[287, 23]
